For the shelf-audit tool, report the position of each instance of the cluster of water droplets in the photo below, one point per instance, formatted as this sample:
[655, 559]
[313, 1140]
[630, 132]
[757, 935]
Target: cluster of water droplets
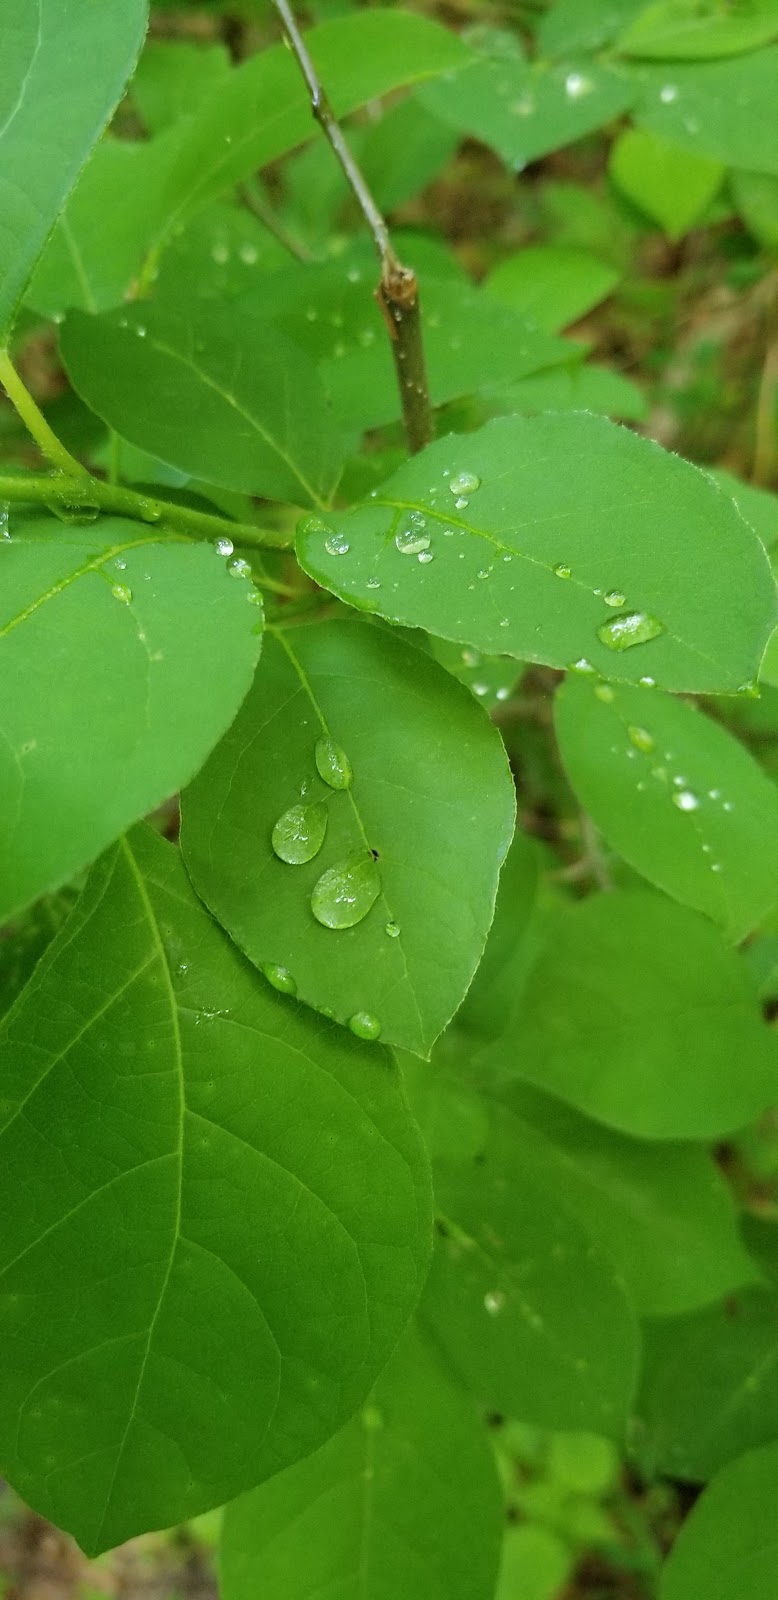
[622, 632]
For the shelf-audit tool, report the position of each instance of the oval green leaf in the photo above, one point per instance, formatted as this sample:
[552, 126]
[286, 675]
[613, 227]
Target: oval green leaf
[123, 658]
[726, 1548]
[197, 1287]
[431, 801]
[569, 509]
[679, 798]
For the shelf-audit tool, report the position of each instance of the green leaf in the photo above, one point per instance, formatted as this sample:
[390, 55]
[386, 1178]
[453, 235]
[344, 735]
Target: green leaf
[173, 76]
[217, 394]
[560, 494]
[526, 1305]
[688, 29]
[123, 657]
[216, 1215]
[525, 110]
[263, 110]
[673, 186]
[97, 248]
[581, 386]
[405, 1501]
[219, 255]
[552, 285]
[634, 1012]
[726, 1548]
[52, 111]
[402, 152]
[490, 678]
[677, 795]
[721, 109]
[584, 24]
[663, 1213]
[431, 798]
[710, 1386]
[536, 1563]
[758, 507]
[756, 197]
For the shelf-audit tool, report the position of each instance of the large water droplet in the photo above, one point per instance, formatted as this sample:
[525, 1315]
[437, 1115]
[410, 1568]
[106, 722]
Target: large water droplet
[299, 834]
[685, 800]
[280, 978]
[635, 627]
[332, 764]
[345, 893]
[412, 539]
[641, 738]
[337, 545]
[364, 1025]
[464, 483]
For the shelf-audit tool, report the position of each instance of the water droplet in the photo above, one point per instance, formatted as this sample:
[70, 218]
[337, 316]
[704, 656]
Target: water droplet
[412, 539]
[120, 564]
[505, 622]
[614, 597]
[668, 93]
[464, 483]
[714, 794]
[332, 764]
[337, 545]
[364, 1025]
[494, 1302]
[471, 658]
[685, 800]
[641, 738]
[373, 583]
[248, 254]
[299, 834]
[425, 556]
[524, 106]
[140, 330]
[220, 254]
[576, 85]
[354, 275]
[503, 694]
[728, 806]
[4, 514]
[581, 665]
[605, 693]
[634, 627]
[393, 930]
[715, 866]
[280, 978]
[448, 533]
[647, 683]
[461, 503]
[561, 570]
[239, 568]
[120, 591]
[345, 893]
[751, 689]
[480, 689]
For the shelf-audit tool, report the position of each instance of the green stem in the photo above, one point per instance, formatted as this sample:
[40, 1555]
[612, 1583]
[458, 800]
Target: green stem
[35, 422]
[92, 494]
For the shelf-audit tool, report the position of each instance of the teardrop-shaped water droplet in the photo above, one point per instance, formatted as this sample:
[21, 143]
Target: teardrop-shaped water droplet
[364, 1025]
[393, 930]
[640, 738]
[332, 764]
[280, 978]
[562, 570]
[121, 591]
[299, 834]
[614, 597]
[685, 800]
[345, 893]
[634, 627]
[464, 483]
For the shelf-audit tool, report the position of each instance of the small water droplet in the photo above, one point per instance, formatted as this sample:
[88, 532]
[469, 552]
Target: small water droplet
[668, 93]
[121, 591]
[373, 583]
[685, 800]
[714, 794]
[239, 568]
[224, 546]
[140, 330]
[364, 1025]
[716, 866]
[604, 692]
[640, 738]
[332, 764]
[4, 515]
[505, 622]
[561, 570]
[120, 564]
[337, 545]
[461, 503]
[614, 597]
[372, 1418]
[220, 254]
[647, 683]
[503, 694]
[448, 533]
[299, 834]
[634, 627]
[464, 483]
[393, 930]
[576, 85]
[728, 806]
[354, 275]
[280, 978]
[581, 665]
[494, 1302]
[425, 556]
[480, 689]
[345, 893]
[248, 254]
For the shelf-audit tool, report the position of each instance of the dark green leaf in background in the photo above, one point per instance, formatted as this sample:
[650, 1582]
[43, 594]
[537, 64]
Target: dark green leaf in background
[728, 1548]
[52, 111]
[424, 825]
[405, 1501]
[124, 656]
[549, 536]
[216, 1215]
[676, 794]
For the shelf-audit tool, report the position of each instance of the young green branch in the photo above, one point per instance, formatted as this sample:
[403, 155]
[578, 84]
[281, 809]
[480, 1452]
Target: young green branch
[398, 289]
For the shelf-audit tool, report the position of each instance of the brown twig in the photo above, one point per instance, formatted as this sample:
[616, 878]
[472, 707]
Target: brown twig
[398, 290]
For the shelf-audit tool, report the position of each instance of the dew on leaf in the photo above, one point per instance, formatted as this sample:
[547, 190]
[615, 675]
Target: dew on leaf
[561, 570]
[248, 254]
[4, 514]
[425, 556]
[239, 568]
[280, 978]
[364, 1025]
[345, 893]
[503, 694]
[685, 800]
[634, 627]
[614, 597]
[332, 764]
[480, 689]
[121, 591]
[299, 834]
[494, 1302]
[372, 1418]
[640, 738]
[373, 583]
[464, 483]
[604, 692]
[412, 539]
[576, 85]
[647, 683]
[337, 545]
[582, 665]
[224, 546]
[668, 93]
